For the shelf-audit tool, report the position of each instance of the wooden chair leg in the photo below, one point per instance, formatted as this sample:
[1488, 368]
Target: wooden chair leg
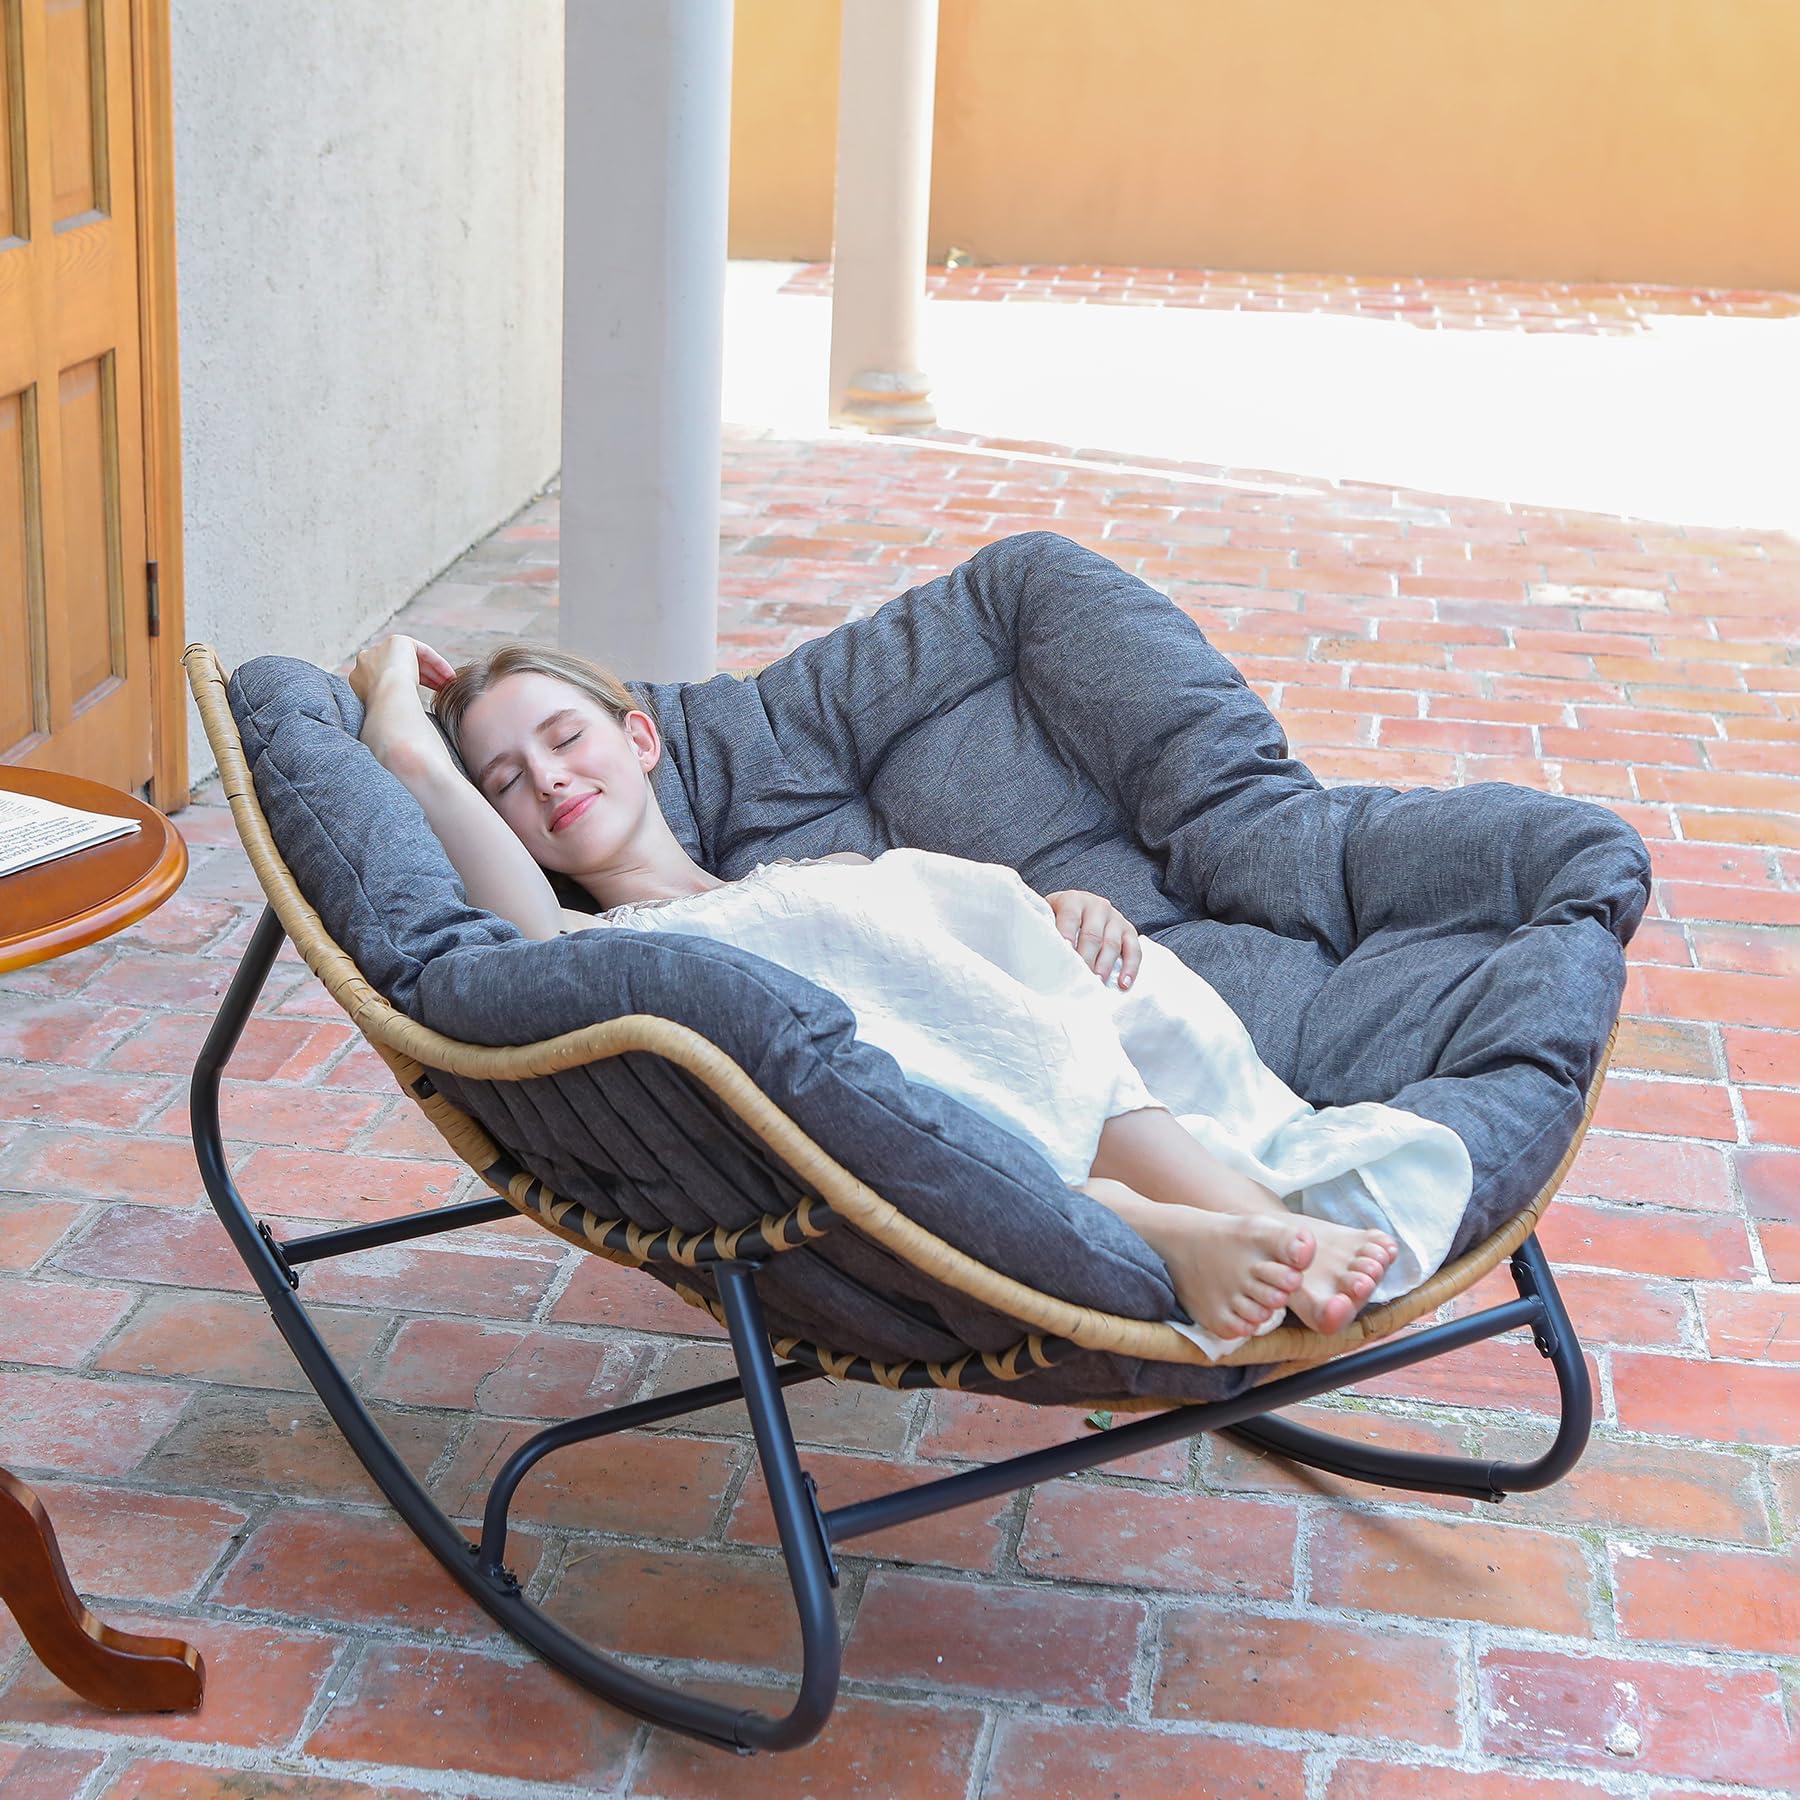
[111, 1668]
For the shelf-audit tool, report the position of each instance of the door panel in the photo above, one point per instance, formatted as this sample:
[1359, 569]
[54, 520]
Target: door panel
[76, 39]
[91, 598]
[75, 688]
[12, 125]
[24, 699]
[17, 328]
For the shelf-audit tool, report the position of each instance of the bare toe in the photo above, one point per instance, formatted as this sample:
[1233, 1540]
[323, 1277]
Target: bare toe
[1282, 1277]
[1298, 1248]
[1335, 1314]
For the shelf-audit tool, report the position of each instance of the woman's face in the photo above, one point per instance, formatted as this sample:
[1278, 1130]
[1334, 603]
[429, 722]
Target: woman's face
[568, 778]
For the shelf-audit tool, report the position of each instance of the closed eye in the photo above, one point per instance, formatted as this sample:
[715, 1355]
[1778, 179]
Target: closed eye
[514, 776]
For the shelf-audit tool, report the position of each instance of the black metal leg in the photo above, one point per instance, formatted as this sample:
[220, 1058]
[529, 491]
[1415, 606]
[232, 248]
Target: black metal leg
[1467, 1476]
[811, 1571]
[736, 1728]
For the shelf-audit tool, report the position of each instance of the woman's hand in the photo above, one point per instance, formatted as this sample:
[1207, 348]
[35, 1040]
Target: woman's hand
[386, 679]
[1100, 932]
[398, 658]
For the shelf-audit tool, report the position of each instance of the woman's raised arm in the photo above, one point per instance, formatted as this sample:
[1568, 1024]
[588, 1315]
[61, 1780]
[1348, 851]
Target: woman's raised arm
[497, 871]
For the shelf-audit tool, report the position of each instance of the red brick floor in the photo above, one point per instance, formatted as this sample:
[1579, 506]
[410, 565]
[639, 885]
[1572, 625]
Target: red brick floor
[1192, 1623]
[1436, 303]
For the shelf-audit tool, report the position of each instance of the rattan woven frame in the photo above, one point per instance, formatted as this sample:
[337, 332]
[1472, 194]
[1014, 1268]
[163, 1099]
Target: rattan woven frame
[411, 1049]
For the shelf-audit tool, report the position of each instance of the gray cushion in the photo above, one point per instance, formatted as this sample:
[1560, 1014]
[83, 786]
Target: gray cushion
[1457, 953]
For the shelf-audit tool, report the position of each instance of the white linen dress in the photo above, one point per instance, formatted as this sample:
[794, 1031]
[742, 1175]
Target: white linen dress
[957, 970]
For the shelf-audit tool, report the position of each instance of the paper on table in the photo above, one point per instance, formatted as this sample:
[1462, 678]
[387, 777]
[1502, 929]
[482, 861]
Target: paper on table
[33, 831]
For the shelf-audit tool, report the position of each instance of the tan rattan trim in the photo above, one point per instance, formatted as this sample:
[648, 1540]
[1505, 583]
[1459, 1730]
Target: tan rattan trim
[1026, 1357]
[621, 1241]
[408, 1046]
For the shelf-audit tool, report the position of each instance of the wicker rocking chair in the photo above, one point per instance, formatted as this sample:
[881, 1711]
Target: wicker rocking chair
[677, 1104]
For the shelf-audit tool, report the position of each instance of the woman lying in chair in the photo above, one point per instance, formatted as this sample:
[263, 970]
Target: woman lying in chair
[1048, 1016]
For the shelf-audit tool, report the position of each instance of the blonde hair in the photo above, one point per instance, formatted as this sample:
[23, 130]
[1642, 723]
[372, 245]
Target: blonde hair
[453, 700]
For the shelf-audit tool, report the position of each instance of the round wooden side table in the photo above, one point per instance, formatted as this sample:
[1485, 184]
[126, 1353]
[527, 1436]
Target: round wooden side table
[58, 906]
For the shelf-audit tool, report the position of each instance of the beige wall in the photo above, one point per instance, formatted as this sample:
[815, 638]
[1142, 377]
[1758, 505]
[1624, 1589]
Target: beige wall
[1624, 140]
[368, 221]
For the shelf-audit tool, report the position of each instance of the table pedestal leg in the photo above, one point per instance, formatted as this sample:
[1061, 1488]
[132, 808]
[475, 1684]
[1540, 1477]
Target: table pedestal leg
[110, 1668]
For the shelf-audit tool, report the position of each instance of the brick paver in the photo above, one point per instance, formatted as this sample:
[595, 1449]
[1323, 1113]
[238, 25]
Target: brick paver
[1192, 1621]
[1435, 303]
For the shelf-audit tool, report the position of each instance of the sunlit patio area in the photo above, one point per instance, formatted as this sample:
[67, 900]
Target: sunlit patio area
[1530, 533]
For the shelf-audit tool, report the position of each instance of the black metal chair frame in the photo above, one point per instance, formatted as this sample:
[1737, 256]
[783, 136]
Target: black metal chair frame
[809, 1533]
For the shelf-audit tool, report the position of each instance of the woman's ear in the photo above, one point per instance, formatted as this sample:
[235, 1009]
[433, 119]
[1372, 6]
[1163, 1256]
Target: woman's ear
[645, 738]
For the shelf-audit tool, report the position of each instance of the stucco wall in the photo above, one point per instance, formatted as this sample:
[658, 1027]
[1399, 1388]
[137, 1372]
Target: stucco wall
[1611, 140]
[369, 236]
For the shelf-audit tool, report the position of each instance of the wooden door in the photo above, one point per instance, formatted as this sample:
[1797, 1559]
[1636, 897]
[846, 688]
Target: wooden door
[76, 666]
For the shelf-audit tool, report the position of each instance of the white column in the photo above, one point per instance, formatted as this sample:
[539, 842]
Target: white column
[887, 77]
[646, 160]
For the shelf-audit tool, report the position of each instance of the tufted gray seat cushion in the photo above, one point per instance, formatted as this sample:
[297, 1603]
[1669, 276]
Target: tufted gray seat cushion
[1456, 953]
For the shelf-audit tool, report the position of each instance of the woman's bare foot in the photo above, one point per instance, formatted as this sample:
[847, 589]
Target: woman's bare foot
[1231, 1272]
[1234, 1271]
[1341, 1274]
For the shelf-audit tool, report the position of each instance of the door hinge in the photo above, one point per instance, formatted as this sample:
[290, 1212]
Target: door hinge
[153, 591]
